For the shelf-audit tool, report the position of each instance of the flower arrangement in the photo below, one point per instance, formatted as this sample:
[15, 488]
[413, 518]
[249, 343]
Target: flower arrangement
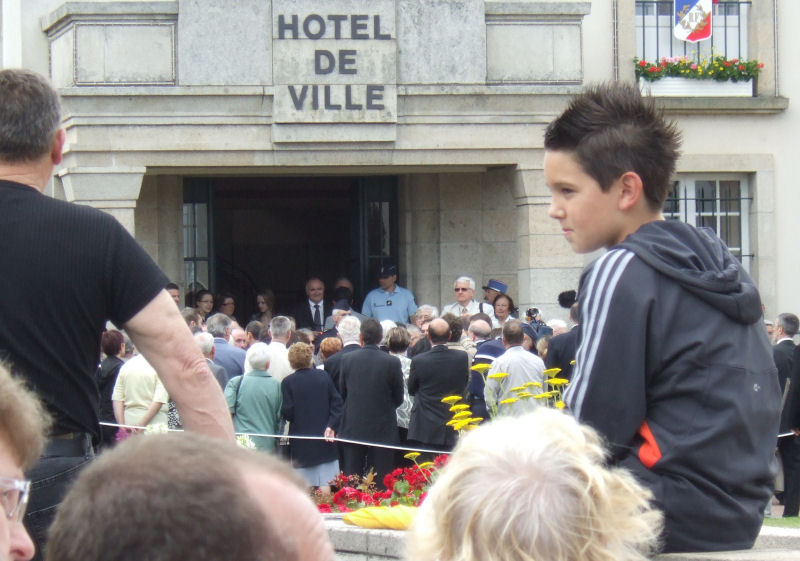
[716, 68]
[409, 486]
[548, 393]
[404, 486]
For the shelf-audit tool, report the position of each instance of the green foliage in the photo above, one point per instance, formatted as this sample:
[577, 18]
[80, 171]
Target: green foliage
[716, 68]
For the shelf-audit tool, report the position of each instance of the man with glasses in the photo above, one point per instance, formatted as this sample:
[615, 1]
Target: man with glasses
[465, 304]
[22, 423]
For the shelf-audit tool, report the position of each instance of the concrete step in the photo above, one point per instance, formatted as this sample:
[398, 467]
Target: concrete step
[358, 544]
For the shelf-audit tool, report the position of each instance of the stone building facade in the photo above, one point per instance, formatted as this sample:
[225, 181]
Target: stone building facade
[251, 143]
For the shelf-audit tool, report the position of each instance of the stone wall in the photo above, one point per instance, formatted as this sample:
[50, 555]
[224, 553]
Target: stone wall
[456, 224]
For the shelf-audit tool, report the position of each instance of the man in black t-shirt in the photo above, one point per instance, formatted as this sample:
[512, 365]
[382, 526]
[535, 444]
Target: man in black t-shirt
[67, 270]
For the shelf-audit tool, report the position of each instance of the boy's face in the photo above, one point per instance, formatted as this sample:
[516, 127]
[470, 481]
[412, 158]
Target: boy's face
[589, 217]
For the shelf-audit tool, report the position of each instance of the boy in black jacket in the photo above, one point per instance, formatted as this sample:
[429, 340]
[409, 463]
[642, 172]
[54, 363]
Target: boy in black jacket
[674, 366]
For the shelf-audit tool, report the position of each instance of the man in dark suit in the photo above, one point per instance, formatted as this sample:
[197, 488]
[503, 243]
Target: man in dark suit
[785, 356]
[789, 446]
[311, 313]
[205, 342]
[228, 356]
[436, 374]
[371, 384]
[349, 331]
[786, 326]
[561, 349]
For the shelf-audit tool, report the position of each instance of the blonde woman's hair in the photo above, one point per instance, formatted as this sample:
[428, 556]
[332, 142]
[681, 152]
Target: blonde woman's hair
[23, 420]
[531, 488]
[300, 355]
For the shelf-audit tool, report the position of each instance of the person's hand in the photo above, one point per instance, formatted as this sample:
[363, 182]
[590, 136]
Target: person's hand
[330, 434]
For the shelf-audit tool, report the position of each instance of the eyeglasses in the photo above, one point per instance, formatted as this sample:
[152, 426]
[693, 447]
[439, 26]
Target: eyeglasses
[14, 497]
[460, 289]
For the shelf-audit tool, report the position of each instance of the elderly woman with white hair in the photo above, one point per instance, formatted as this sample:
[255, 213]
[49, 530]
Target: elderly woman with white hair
[254, 399]
[530, 488]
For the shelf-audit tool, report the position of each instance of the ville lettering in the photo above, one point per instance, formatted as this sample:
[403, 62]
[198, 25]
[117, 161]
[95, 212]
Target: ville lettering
[337, 97]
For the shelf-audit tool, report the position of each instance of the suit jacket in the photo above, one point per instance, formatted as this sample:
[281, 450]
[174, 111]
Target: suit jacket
[220, 374]
[303, 318]
[229, 357]
[561, 350]
[435, 374]
[371, 384]
[790, 415]
[421, 346]
[782, 354]
[333, 364]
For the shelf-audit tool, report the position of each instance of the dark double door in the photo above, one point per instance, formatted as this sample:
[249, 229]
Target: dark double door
[245, 234]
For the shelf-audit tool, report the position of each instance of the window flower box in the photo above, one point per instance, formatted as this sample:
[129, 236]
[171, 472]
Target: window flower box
[672, 86]
[682, 77]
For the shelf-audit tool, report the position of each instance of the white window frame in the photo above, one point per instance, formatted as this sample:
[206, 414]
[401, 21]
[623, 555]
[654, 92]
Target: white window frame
[687, 207]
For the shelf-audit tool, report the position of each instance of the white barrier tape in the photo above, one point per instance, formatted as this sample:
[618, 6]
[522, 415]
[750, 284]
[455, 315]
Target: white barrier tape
[297, 437]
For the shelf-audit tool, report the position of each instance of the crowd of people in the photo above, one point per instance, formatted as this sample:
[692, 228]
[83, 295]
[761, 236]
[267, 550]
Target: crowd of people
[675, 394]
[272, 378]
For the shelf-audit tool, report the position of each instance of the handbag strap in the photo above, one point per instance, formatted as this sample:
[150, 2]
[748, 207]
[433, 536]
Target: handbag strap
[236, 397]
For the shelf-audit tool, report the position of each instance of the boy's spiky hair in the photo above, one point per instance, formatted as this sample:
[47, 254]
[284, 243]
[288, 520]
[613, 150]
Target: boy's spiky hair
[611, 129]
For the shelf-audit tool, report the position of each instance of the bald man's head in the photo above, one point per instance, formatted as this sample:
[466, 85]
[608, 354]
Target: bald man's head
[438, 331]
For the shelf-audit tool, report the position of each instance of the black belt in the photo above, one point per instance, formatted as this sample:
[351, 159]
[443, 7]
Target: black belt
[74, 444]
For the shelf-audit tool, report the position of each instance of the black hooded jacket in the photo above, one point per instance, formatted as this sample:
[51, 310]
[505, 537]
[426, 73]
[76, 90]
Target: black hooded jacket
[676, 371]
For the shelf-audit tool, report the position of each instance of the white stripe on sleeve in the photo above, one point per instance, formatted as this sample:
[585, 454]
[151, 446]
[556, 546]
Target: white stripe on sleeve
[595, 302]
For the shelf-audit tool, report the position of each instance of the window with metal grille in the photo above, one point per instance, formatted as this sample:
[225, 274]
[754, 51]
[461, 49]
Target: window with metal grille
[654, 37]
[721, 203]
[197, 235]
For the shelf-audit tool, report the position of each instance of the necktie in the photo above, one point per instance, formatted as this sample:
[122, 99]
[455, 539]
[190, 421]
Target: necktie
[317, 320]
[463, 311]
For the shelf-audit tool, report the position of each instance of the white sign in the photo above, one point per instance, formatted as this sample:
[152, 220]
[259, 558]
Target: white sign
[334, 61]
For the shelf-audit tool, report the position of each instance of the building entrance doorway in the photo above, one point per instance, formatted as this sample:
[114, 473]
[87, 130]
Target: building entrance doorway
[244, 234]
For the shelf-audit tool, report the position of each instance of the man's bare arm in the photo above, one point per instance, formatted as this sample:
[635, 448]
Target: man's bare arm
[161, 335]
[150, 414]
[119, 411]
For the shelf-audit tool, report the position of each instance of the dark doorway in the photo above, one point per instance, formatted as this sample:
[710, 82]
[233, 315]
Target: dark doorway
[276, 232]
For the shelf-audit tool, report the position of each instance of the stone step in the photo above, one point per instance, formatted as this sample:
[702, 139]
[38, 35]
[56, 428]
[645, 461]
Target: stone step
[357, 544]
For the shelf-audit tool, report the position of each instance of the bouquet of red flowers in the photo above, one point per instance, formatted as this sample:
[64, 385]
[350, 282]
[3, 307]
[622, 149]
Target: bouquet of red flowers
[406, 486]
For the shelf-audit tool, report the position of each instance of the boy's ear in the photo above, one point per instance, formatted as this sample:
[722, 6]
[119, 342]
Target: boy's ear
[631, 190]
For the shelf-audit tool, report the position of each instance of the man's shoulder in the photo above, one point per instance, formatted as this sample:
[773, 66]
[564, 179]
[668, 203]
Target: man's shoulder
[375, 292]
[518, 354]
[449, 307]
[456, 354]
[784, 348]
[137, 365]
[439, 353]
[301, 307]
[214, 366]
[401, 290]
[39, 202]
[229, 349]
[563, 338]
[371, 353]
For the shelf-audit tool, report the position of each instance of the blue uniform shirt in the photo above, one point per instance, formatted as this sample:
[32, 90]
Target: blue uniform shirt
[397, 306]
